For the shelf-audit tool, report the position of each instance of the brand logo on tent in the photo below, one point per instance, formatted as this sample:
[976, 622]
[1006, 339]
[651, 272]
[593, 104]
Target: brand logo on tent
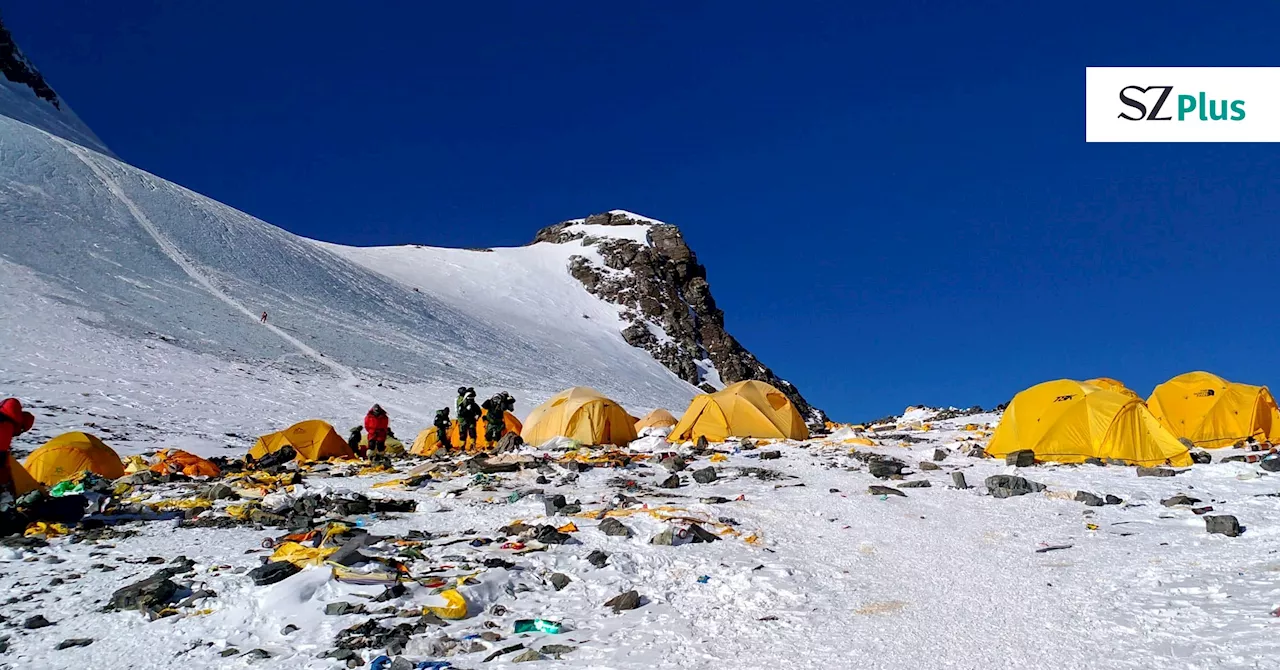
[1062, 398]
[1204, 393]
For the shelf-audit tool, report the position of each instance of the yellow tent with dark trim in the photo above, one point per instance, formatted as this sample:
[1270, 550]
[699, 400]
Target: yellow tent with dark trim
[23, 482]
[314, 440]
[582, 414]
[69, 454]
[1110, 384]
[1213, 412]
[427, 443]
[1069, 421]
[745, 409]
[658, 418]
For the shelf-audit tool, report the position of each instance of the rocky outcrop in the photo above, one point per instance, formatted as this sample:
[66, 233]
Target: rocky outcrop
[16, 68]
[666, 301]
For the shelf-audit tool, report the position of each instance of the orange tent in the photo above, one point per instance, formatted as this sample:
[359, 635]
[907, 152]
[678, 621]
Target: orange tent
[176, 460]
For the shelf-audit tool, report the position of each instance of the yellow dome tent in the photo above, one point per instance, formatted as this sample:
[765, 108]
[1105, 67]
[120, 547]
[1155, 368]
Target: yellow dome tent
[1109, 384]
[1213, 412]
[1069, 421]
[426, 443]
[314, 440]
[581, 414]
[69, 454]
[23, 482]
[658, 418]
[745, 409]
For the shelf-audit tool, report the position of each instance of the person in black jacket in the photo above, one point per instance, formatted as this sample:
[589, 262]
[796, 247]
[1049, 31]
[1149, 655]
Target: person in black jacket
[442, 428]
[495, 409]
[468, 414]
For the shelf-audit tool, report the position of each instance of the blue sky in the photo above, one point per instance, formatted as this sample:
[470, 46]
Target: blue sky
[895, 204]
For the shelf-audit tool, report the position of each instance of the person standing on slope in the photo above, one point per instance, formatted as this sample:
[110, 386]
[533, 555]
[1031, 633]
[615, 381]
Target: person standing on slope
[353, 441]
[376, 425]
[13, 422]
[495, 410]
[442, 429]
[468, 414]
[264, 318]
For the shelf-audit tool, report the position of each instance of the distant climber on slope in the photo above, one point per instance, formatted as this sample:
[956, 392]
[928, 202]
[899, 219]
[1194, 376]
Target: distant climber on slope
[442, 428]
[13, 422]
[376, 424]
[468, 414]
[264, 318]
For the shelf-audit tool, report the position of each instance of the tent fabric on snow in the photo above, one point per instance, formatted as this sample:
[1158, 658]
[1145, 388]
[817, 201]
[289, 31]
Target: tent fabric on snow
[580, 414]
[1109, 384]
[314, 440]
[23, 482]
[658, 418]
[177, 460]
[426, 443]
[1069, 421]
[745, 409]
[69, 454]
[1213, 412]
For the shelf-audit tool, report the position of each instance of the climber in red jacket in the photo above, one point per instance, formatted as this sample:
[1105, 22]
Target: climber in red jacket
[13, 422]
[376, 426]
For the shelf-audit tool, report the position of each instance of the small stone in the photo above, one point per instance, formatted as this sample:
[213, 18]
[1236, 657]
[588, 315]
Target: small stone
[624, 601]
[74, 642]
[219, 491]
[1201, 456]
[528, 655]
[229, 652]
[1007, 486]
[1112, 500]
[559, 580]
[490, 636]
[1239, 458]
[884, 469]
[257, 654]
[1179, 499]
[705, 475]
[1095, 461]
[341, 608]
[549, 535]
[673, 463]
[770, 455]
[957, 480]
[884, 491]
[598, 558]
[401, 663]
[554, 504]
[671, 482]
[556, 650]
[917, 484]
[1156, 472]
[542, 479]
[929, 465]
[612, 527]
[1270, 464]
[1023, 458]
[1223, 524]
[939, 454]
[37, 621]
[289, 630]
[1088, 499]
[272, 573]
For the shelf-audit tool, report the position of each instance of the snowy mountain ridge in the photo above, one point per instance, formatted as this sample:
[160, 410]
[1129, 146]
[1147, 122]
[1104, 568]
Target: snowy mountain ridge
[163, 287]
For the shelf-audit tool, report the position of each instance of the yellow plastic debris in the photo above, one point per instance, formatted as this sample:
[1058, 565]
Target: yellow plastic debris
[181, 503]
[45, 530]
[241, 512]
[718, 458]
[455, 607]
[568, 528]
[862, 441]
[134, 464]
[300, 554]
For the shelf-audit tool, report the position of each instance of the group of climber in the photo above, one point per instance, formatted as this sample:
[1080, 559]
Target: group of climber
[377, 425]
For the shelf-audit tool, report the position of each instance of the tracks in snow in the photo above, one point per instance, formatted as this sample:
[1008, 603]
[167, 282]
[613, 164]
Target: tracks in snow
[350, 382]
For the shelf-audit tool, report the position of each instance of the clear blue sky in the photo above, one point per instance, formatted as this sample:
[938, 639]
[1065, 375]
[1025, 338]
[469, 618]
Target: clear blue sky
[895, 204]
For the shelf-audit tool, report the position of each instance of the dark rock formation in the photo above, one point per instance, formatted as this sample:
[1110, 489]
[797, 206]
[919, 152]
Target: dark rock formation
[667, 302]
[16, 68]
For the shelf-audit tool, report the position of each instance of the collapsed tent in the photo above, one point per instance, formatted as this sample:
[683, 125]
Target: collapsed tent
[1109, 384]
[658, 418]
[1212, 412]
[745, 409]
[23, 482]
[581, 414]
[1069, 421]
[314, 440]
[69, 454]
[427, 442]
[179, 461]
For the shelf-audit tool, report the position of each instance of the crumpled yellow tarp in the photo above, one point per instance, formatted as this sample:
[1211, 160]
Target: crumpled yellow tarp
[180, 503]
[301, 555]
[455, 607]
[45, 530]
[719, 458]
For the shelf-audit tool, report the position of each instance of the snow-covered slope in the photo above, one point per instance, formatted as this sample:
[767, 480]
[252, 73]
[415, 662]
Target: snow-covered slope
[149, 262]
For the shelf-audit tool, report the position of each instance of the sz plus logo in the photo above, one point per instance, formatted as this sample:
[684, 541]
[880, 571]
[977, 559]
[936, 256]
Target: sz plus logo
[1198, 107]
[1182, 104]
